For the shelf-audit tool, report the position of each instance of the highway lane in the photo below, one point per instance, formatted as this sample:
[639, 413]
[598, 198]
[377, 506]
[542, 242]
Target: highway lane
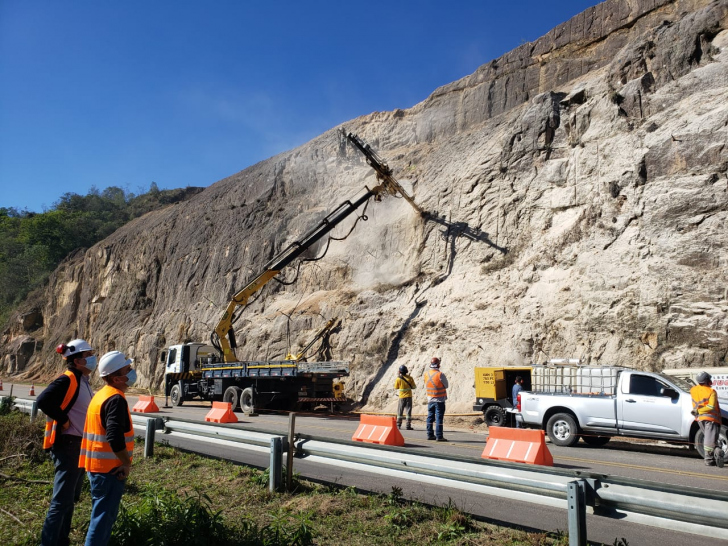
[654, 462]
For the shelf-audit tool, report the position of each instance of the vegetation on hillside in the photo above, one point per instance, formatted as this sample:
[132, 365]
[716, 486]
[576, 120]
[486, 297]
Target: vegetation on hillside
[182, 499]
[33, 244]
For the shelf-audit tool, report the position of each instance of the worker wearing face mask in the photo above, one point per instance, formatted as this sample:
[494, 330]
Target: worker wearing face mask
[108, 445]
[65, 402]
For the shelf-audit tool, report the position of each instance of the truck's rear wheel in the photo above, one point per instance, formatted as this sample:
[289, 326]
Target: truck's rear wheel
[175, 395]
[494, 416]
[562, 430]
[232, 395]
[247, 400]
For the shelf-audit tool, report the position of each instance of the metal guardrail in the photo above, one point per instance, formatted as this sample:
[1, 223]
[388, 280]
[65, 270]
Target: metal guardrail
[679, 508]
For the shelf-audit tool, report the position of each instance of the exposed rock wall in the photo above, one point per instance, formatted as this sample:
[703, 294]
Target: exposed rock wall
[578, 197]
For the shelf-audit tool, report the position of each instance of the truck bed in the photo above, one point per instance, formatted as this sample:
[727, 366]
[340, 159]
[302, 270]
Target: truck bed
[273, 368]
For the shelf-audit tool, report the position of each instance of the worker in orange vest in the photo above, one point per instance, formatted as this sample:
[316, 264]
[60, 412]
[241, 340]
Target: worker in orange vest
[707, 412]
[108, 445]
[436, 385]
[65, 402]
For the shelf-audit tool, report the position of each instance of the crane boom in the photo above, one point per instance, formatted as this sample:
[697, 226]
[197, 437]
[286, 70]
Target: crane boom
[223, 337]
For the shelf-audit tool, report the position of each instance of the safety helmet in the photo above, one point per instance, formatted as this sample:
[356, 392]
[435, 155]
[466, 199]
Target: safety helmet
[112, 362]
[435, 362]
[704, 378]
[403, 369]
[73, 347]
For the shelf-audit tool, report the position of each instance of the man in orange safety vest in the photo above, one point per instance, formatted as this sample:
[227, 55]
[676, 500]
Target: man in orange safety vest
[108, 445]
[707, 412]
[436, 385]
[65, 402]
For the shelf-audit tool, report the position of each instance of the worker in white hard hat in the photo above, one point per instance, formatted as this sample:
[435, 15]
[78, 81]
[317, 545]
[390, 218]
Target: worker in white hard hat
[108, 445]
[707, 412]
[65, 402]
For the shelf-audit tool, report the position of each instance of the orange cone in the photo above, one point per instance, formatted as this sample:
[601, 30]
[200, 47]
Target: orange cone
[32, 390]
[1, 384]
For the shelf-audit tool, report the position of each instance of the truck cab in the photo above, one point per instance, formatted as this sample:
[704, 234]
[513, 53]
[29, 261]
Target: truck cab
[187, 358]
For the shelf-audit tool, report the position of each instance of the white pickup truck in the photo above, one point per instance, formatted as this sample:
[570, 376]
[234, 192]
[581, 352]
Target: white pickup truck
[596, 403]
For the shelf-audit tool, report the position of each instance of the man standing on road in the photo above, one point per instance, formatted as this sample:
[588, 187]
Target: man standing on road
[65, 402]
[707, 411]
[404, 385]
[108, 445]
[436, 385]
[517, 387]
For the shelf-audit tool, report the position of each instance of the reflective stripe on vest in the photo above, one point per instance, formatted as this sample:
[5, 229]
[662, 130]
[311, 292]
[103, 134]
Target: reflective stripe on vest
[434, 386]
[96, 452]
[49, 437]
[705, 402]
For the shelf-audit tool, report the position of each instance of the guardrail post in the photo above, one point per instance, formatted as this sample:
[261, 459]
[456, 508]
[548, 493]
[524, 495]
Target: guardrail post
[33, 411]
[291, 451]
[149, 438]
[576, 500]
[276, 461]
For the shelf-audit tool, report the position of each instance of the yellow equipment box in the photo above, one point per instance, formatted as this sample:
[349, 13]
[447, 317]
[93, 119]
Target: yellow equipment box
[493, 387]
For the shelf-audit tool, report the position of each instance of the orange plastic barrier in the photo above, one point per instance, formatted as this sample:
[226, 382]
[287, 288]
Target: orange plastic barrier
[221, 412]
[378, 429]
[518, 445]
[145, 405]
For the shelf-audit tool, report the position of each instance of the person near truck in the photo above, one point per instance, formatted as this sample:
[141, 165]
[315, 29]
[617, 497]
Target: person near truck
[707, 412]
[436, 385]
[108, 445]
[404, 385]
[65, 402]
[517, 387]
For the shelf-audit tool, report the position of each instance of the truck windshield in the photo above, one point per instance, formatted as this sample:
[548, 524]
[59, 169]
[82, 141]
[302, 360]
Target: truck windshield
[684, 384]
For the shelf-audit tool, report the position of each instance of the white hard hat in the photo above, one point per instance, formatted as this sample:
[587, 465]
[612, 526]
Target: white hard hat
[111, 362]
[73, 347]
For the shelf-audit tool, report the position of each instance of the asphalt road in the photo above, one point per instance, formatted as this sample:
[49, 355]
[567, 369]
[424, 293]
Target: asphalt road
[653, 461]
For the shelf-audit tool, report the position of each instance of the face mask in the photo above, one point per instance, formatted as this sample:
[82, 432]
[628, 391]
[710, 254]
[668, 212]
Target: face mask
[91, 363]
[131, 378]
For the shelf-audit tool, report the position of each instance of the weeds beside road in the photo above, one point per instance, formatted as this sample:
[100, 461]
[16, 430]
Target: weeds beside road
[179, 498]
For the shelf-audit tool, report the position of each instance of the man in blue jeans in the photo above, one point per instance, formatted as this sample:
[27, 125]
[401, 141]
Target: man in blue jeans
[108, 445]
[436, 385]
[65, 402]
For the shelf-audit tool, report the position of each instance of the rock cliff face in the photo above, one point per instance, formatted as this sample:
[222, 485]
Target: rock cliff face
[578, 197]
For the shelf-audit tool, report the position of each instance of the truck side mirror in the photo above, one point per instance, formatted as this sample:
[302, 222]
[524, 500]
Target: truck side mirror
[672, 393]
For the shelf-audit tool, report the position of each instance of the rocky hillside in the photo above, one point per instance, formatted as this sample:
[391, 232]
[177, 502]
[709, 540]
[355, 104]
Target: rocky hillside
[577, 192]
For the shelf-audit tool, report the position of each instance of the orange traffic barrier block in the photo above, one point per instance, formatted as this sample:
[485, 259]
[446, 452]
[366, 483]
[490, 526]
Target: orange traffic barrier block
[377, 429]
[32, 390]
[518, 445]
[221, 412]
[145, 405]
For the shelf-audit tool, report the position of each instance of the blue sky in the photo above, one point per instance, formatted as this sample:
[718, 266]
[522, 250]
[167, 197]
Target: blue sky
[185, 93]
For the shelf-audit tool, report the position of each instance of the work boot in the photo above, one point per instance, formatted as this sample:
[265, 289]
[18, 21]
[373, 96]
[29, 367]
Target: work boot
[409, 427]
[718, 456]
[710, 462]
[441, 440]
[431, 438]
